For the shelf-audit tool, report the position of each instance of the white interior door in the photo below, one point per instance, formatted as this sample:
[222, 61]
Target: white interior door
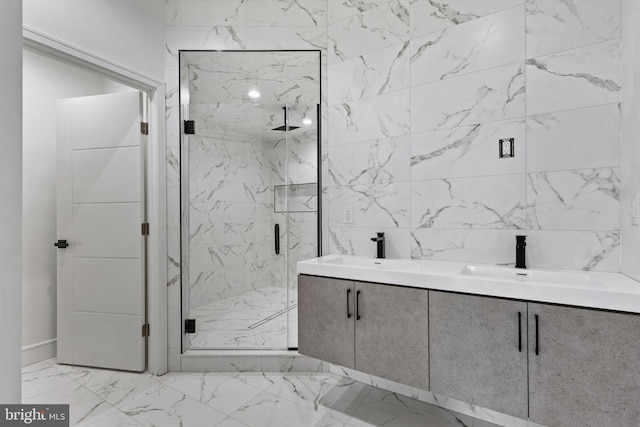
[101, 274]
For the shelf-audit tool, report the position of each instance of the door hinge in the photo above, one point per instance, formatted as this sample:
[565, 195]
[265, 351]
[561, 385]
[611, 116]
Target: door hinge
[145, 228]
[190, 326]
[144, 128]
[189, 127]
[146, 330]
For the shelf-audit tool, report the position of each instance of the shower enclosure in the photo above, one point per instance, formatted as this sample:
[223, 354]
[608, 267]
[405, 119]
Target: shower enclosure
[249, 192]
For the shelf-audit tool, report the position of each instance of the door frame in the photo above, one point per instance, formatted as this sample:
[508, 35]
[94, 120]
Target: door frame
[156, 297]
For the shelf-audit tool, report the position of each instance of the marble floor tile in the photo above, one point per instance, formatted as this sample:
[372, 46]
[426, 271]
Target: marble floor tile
[222, 392]
[339, 397]
[167, 407]
[227, 400]
[260, 380]
[84, 406]
[40, 378]
[112, 418]
[384, 408]
[255, 319]
[269, 410]
[230, 422]
[116, 387]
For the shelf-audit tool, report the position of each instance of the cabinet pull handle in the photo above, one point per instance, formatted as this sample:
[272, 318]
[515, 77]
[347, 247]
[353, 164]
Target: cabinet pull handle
[358, 305]
[276, 236]
[537, 343]
[520, 332]
[348, 305]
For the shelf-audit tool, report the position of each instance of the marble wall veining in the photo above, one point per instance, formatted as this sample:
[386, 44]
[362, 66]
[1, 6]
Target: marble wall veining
[229, 25]
[420, 92]
[230, 215]
[243, 176]
[416, 95]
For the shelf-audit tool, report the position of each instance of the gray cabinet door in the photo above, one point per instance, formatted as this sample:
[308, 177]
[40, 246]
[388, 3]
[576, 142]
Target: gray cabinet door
[475, 350]
[392, 334]
[587, 370]
[324, 329]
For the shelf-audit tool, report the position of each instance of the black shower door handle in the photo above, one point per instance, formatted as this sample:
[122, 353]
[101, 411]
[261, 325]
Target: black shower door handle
[277, 238]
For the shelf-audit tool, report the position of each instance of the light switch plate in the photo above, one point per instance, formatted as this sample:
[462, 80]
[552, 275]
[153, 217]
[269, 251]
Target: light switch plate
[347, 215]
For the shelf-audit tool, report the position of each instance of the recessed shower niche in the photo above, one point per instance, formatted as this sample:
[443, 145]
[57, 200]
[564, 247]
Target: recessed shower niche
[249, 193]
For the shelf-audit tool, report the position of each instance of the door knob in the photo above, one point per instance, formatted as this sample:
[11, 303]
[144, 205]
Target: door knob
[61, 244]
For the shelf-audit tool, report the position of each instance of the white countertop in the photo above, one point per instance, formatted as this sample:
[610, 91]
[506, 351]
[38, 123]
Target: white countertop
[609, 291]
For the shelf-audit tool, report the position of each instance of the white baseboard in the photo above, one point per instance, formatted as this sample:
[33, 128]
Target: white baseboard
[37, 352]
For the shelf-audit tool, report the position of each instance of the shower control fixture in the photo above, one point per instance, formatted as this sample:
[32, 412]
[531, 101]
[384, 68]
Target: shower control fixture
[506, 147]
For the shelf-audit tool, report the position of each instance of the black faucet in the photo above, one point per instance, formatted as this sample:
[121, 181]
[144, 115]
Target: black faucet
[521, 244]
[380, 241]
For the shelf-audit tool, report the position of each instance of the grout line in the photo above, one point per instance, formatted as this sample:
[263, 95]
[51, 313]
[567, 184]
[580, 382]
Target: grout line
[560, 52]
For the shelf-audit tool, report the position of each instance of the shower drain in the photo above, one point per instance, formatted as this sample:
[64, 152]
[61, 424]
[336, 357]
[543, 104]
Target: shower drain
[273, 316]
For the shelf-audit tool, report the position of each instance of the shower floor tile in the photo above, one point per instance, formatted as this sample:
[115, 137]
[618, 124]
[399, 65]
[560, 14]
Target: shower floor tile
[100, 397]
[256, 319]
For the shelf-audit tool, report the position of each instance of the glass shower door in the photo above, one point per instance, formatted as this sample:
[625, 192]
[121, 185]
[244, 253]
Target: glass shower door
[249, 194]
[302, 202]
[237, 236]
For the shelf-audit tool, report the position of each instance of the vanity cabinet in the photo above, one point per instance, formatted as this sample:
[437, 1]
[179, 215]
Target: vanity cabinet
[479, 350]
[555, 365]
[584, 367]
[326, 328]
[379, 329]
[392, 333]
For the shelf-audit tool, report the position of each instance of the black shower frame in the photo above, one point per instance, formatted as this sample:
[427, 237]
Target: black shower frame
[319, 145]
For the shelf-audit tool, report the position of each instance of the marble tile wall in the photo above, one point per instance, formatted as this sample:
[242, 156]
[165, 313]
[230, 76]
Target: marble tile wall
[244, 177]
[416, 94]
[229, 25]
[230, 217]
[420, 92]
[630, 146]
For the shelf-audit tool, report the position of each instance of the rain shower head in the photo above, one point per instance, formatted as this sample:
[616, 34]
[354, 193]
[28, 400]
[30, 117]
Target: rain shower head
[285, 128]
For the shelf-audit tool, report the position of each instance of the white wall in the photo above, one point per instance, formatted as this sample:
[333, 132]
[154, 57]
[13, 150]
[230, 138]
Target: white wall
[630, 144]
[128, 33]
[10, 198]
[45, 81]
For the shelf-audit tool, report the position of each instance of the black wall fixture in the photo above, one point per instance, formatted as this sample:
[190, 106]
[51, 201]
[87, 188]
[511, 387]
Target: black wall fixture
[189, 127]
[285, 127]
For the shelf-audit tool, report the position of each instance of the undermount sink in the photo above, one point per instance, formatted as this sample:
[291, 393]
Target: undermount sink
[577, 279]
